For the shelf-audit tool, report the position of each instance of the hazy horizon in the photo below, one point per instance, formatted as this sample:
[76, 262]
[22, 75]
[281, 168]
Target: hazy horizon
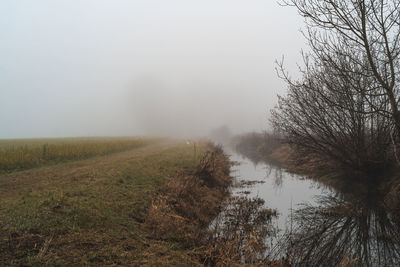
[110, 68]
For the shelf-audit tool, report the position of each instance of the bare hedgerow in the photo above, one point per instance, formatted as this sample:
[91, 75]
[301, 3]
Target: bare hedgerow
[345, 107]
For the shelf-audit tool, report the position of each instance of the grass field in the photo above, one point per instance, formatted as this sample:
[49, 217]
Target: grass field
[19, 154]
[92, 211]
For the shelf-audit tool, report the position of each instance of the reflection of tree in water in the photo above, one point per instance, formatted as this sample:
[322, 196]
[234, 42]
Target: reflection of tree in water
[325, 234]
[276, 173]
[355, 226]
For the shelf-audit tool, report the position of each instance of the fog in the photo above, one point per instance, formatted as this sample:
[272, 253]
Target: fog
[105, 68]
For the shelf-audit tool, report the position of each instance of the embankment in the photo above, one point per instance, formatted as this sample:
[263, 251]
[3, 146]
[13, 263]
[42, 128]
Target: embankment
[185, 207]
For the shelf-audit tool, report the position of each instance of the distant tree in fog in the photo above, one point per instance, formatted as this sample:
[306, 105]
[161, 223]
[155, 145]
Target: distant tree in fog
[221, 134]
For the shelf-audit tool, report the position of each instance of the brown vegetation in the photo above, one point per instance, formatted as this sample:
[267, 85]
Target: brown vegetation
[185, 207]
[187, 204]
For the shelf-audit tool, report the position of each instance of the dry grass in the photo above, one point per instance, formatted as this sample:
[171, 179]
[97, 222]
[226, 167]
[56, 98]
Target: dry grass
[30, 153]
[187, 204]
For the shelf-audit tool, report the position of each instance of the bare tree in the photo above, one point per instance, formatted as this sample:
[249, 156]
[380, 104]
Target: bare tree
[346, 106]
[359, 30]
[325, 114]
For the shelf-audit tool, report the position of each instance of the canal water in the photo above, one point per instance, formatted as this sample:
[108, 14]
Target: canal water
[279, 189]
[321, 226]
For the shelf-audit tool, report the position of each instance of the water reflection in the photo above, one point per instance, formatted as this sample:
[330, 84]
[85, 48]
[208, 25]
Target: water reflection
[276, 173]
[338, 229]
[330, 224]
[280, 189]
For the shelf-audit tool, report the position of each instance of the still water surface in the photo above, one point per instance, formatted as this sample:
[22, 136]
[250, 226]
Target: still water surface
[281, 190]
[320, 225]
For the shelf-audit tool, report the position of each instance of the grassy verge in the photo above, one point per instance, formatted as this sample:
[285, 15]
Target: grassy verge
[103, 210]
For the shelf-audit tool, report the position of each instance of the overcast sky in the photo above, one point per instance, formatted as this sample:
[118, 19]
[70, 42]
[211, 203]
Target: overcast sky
[90, 68]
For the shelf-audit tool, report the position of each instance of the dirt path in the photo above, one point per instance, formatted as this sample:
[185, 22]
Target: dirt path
[82, 171]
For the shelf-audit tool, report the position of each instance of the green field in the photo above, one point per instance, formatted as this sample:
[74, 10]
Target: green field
[19, 154]
[92, 211]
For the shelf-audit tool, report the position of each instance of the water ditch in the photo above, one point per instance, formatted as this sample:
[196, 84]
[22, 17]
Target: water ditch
[317, 225]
